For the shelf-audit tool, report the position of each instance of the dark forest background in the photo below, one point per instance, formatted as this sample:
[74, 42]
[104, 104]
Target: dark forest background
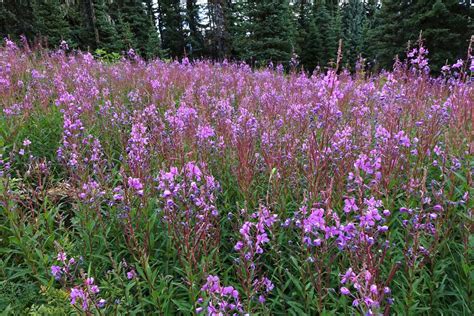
[256, 31]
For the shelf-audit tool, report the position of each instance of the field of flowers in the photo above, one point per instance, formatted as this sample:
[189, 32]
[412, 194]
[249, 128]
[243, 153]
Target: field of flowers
[171, 188]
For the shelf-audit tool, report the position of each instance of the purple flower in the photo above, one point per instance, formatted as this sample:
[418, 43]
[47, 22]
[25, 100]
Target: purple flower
[345, 291]
[94, 289]
[373, 289]
[131, 274]
[136, 184]
[458, 64]
[101, 303]
[56, 271]
[61, 256]
[77, 293]
[348, 276]
[350, 205]
[89, 281]
[239, 245]
[445, 68]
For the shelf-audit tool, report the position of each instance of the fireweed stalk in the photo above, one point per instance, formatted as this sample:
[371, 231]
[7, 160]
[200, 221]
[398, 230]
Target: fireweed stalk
[189, 212]
[255, 234]
[218, 299]
[83, 296]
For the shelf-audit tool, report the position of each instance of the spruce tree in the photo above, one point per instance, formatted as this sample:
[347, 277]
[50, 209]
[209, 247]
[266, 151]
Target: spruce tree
[309, 40]
[107, 33]
[194, 38]
[238, 26]
[270, 32]
[172, 36]
[16, 18]
[221, 22]
[353, 21]
[371, 10]
[326, 33]
[444, 26]
[50, 22]
[391, 34]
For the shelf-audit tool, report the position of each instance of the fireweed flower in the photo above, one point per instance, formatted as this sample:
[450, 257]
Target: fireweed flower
[254, 236]
[56, 271]
[345, 291]
[62, 256]
[138, 146]
[136, 185]
[365, 290]
[222, 300]
[254, 233]
[459, 63]
[188, 197]
[350, 205]
[131, 274]
[313, 129]
[85, 295]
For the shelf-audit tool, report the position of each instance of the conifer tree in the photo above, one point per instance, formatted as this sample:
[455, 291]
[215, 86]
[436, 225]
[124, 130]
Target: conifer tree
[309, 40]
[389, 38]
[444, 26]
[221, 22]
[50, 22]
[326, 33]
[353, 21]
[270, 32]
[172, 34]
[194, 38]
[106, 30]
[16, 18]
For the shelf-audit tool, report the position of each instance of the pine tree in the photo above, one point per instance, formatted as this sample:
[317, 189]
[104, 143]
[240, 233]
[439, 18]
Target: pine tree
[238, 26]
[135, 27]
[335, 34]
[49, 21]
[108, 38]
[371, 10]
[153, 46]
[309, 40]
[123, 28]
[353, 21]
[391, 34]
[221, 21]
[443, 24]
[325, 33]
[270, 32]
[16, 18]
[194, 38]
[172, 34]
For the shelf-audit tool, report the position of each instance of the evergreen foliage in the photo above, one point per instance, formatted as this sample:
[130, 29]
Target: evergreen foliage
[258, 32]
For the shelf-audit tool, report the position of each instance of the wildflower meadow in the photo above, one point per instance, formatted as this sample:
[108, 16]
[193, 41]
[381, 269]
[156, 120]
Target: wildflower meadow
[133, 187]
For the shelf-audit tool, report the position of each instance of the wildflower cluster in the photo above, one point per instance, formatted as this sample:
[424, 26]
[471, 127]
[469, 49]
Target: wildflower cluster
[84, 295]
[254, 236]
[189, 210]
[220, 300]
